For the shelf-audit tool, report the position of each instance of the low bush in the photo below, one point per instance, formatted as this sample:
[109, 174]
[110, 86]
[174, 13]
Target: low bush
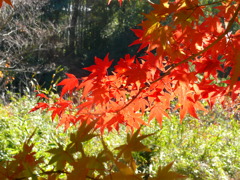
[200, 149]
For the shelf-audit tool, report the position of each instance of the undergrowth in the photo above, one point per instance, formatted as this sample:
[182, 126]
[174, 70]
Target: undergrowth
[202, 149]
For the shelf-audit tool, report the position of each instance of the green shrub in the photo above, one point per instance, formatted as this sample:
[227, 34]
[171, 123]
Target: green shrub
[207, 148]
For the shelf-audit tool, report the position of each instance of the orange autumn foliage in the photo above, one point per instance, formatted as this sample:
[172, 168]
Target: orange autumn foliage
[185, 49]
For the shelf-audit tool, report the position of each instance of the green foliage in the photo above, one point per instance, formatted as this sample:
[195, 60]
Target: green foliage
[23, 165]
[16, 125]
[201, 149]
[84, 166]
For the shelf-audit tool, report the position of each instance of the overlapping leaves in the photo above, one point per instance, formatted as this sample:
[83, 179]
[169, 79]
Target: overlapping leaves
[185, 50]
[71, 160]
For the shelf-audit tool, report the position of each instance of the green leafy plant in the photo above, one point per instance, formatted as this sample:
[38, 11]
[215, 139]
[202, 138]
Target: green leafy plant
[74, 163]
[201, 149]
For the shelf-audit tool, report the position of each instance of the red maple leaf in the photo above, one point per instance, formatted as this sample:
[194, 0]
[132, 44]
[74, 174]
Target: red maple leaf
[60, 107]
[6, 1]
[99, 70]
[42, 96]
[66, 120]
[124, 64]
[143, 44]
[157, 112]
[40, 105]
[115, 121]
[133, 71]
[68, 84]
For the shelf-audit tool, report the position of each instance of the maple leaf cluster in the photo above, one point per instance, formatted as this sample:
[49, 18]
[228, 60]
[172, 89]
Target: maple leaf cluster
[185, 49]
[105, 165]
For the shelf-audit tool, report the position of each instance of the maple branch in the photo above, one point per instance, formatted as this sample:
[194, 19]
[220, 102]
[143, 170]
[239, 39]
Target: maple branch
[210, 3]
[185, 60]
[204, 50]
[213, 43]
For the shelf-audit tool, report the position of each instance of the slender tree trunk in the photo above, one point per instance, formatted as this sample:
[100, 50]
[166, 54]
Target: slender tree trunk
[72, 29]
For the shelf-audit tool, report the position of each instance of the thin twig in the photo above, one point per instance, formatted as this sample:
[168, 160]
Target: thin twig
[186, 60]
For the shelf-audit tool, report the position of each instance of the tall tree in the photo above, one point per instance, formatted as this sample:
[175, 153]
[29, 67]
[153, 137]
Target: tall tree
[73, 25]
[26, 39]
[28, 45]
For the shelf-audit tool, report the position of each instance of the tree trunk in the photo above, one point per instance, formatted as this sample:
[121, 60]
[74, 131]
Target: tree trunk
[72, 29]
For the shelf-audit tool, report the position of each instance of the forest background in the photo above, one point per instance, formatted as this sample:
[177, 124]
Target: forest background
[37, 37]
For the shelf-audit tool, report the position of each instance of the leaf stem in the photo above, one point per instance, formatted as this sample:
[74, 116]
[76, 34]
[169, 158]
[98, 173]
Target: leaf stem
[185, 60]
